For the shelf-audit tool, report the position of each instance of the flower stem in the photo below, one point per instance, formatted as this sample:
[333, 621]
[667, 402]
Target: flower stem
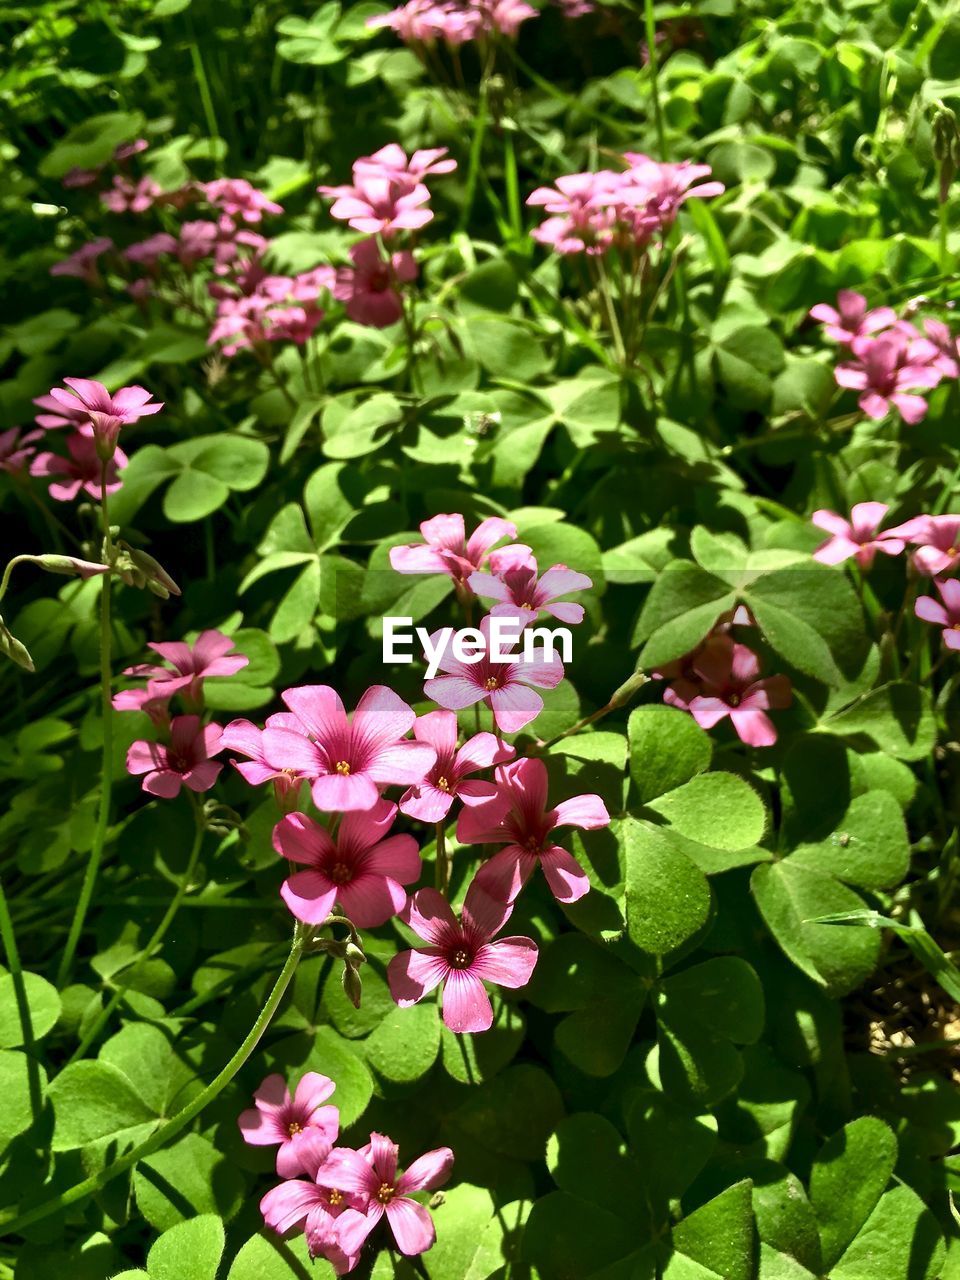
[158, 935]
[651, 25]
[443, 862]
[476, 152]
[90, 1186]
[106, 764]
[12, 956]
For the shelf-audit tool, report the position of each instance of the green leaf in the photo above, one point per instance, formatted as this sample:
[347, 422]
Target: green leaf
[898, 718]
[16, 1115]
[405, 1045]
[514, 1113]
[472, 1059]
[493, 285]
[352, 430]
[187, 1178]
[670, 1142]
[327, 505]
[901, 1236]
[682, 607]
[717, 809]
[566, 1238]
[586, 1156]
[504, 348]
[667, 749]
[719, 1234]
[847, 1180]
[43, 1001]
[92, 1101]
[91, 143]
[870, 848]
[267, 1257]
[668, 897]
[189, 1251]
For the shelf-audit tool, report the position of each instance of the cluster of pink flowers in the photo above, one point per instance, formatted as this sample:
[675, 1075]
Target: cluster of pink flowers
[889, 360]
[936, 555]
[625, 209]
[184, 754]
[454, 22]
[335, 1195]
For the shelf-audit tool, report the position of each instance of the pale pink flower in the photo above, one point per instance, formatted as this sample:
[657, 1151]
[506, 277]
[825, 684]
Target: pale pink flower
[424, 21]
[520, 818]
[937, 539]
[462, 955]
[292, 1124]
[148, 251]
[655, 190]
[245, 737]
[301, 1204]
[156, 706]
[369, 287]
[82, 263]
[126, 196]
[948, 347]
[506, 687]
[82, 470]
[517, 587]
[887, 371]
[851, 318]
[211, 654]
[371, 1175]
[391, 162]
[379, 203]
[584, 220]
[857, 537]
[728, 684]
[185, 760]
[446, 548]
[106, 413]
[447, 780]
[361, 867]
[505, 16]
[16, 449]
[239, 198]
[945, 615]
[349, 760]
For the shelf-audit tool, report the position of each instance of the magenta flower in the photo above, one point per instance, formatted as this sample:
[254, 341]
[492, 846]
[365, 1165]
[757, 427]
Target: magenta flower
[238, 198]
[850, 318]
[424, 21]
[106, 413]
[391, 161]
[148, 251]
[361, 867]
[448, 550]
[16, 449]
[504, 686]
[292, 1124]
[81, 469]
[185, 760]
[348, 761]
[937, 539]
[516, 587]
[728, 684]
[583, 218]
[657, 190]
[945, 615]
[948, 347]
[888, 370]
[462, 955]
[242, 736]
[126, 196]
[519, 818]
[127, 150]
[82, 263]
[298, 1203]
[372, 1176]
[431, 799]
[198, 239]
[211, 654]
[857, 537]
[369, 287]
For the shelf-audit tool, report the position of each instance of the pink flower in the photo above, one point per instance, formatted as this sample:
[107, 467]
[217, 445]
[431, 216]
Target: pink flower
[391, 162]
[447, 549]
[127, 150]
[348, 761]
[423, 21]
[211, 654]
[16, 449]
[294, 1123]
[518, 817]
[946, 615]
[653, 192]
[198, 240]
[850, 318]
[503, 686]
[948, 347]
[80, 177]
[372, 1176]
[131, 197]
[462, 956]
[857, 536]
[298, 1203]
[379, 203]
[729, 685]
[517, 587]
[887, 370]
[153, 705]
[583, 221]
[106, 413]
[82, 469]
[57, 415]
[937, 539]
[369, 287]
[361, 867]
[187, 758]
[505, 16]
[148, 251]
[238, 198]
[82, 263]
[431, 799]
[242, 736]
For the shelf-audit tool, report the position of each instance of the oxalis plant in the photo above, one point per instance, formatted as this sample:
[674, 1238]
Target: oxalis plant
[480, 796]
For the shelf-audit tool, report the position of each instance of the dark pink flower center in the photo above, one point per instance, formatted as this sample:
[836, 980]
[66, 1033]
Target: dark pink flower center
[340, 873]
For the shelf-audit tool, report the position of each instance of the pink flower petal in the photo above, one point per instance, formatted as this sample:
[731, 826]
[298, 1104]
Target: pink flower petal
[466, 1005]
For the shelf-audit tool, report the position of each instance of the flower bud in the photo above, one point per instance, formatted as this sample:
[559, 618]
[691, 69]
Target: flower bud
[72, 566]
[14, 650]
[352, 986]
[628, 689]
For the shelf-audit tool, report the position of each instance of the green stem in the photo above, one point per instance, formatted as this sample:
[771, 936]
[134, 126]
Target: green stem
[90, 1186]
[106, 760]
[12, 955]
[203, 85]
[651, 26]
[476, 151]
[158, 935]
[443, 862]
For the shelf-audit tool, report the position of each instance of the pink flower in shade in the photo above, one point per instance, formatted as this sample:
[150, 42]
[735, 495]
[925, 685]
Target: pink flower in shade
[937, 539]
[945, 615]
[380, 204]
[16, 449]
[242, 736]
[198, 239]
[423, 21]
[447, 549]
[462, 955]
[362, 867]
[211, 654]
[431, 799]
[948, 347]
[186, 759]
[148, 251]
[106, 413]
[238, 198]
[298, 1203]
[504, 686]
[371, 1175]
[850, 318]
[82, 263]
[82, 470]
[887, 371]
[505, 16]
[729, 684]
[80, 177]
[126, 196]
[349, 760]
[857, 537]
[369, 287]
[292, 1123]
[517, 587]
[127, 150]
[519, 818]
[391, 161]
[153, 705]
[58, 415]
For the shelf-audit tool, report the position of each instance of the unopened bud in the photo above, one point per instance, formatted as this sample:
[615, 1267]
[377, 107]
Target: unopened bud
[353, 955]
[629, 688]
[139, 569]
[72, 566]
[14, 650]
[352, 986]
